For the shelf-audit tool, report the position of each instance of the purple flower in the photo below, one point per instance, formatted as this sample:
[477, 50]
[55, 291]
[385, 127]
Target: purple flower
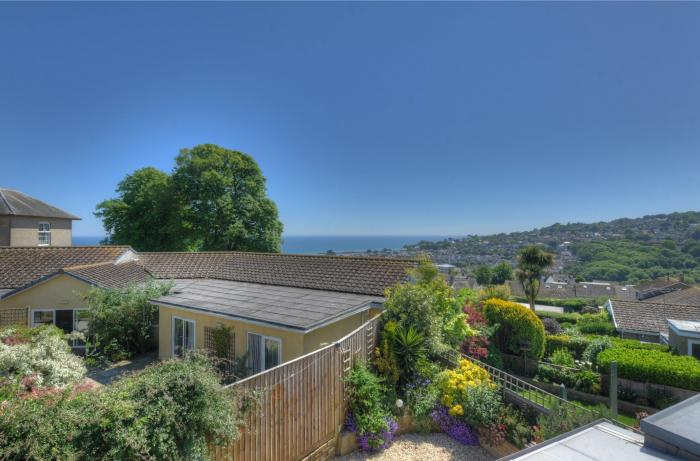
[454, 427]
[369, 441]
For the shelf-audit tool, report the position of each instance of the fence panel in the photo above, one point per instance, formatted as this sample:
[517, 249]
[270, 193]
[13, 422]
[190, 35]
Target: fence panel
[302, 402]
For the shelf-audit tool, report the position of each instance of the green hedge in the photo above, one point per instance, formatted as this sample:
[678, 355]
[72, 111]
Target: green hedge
[634, 344]
[574, 344]
[559, 317]
[596, 327]
[516, 324]
[653, 366]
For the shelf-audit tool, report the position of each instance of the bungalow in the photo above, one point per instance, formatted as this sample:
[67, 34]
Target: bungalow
[647, 321]
[277, 306]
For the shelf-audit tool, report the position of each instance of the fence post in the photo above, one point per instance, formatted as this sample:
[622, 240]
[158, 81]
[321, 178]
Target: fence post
[613, 389]
[562, 391]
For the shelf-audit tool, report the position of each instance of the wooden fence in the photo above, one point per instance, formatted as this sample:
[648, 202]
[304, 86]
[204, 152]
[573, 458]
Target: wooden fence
[302, 402]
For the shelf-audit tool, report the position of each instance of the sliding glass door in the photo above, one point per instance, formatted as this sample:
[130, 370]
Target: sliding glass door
[183, 336]
[264, 352]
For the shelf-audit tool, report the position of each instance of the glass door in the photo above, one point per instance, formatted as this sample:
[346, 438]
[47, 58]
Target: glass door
[183, 336]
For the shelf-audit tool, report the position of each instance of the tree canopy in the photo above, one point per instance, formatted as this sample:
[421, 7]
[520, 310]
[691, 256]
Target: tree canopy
[215, 199]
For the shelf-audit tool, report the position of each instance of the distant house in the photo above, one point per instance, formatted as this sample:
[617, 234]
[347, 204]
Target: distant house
[690, 296]
[648, 321]
[660, 286]
[27, 221]
[278, 306]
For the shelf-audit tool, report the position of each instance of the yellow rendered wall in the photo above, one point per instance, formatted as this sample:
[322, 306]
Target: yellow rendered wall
[292, 342]
[24, 231]
[59, 292]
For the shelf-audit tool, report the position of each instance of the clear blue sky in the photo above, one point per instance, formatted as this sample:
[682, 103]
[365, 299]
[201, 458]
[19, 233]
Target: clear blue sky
[415, 118]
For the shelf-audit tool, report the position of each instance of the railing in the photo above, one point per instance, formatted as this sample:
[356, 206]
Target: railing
[535, 396]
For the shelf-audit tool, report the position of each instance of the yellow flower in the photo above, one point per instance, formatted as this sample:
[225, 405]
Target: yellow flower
[457, 410]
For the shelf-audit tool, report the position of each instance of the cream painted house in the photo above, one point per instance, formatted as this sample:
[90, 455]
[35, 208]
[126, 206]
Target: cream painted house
[278, 306]
[27, 221]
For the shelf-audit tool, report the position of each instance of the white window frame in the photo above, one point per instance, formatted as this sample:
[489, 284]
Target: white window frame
[45, 232]
[264, 338]
[691, 342]
[172, 333]
[53, 319]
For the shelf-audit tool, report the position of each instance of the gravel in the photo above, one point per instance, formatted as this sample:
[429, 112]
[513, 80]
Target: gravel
[423, 447]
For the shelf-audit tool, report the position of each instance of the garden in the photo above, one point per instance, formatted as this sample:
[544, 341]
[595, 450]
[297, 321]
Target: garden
[426, 373]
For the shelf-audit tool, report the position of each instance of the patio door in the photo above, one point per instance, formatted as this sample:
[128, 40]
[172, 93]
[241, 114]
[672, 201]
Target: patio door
[183, 336]
[264, 352]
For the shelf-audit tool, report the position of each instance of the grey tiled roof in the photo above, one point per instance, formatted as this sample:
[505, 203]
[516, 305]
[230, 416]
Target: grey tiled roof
[16, 203]
[689, 296]
[110, 275]
[643, 316]
[20, 266]
[297, 308]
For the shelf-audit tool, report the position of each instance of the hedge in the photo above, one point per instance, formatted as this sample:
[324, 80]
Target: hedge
[559, 317]
[574, 344]
[653, 366]
[597, 327]
[634, 344]
[516, 324]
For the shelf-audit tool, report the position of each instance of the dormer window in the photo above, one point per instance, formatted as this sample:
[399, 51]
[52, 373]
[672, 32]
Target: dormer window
[44, 234]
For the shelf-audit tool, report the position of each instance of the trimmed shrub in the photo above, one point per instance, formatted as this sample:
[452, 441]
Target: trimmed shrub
[596, 327]
[634, 344]
[653, 366]
[516, 324]
[595, 347]
[559, 317]
[575, 344]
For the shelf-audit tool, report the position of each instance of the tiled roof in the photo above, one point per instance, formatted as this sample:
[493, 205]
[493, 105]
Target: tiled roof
[659, 284]
[16, 203]
[360, 275]
[20, 266]
[298, 308]
[643, 316]
[110, 275]
[690, 296]
[335, 273]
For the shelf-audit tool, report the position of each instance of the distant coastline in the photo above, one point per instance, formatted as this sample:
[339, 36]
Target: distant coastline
[299, 244]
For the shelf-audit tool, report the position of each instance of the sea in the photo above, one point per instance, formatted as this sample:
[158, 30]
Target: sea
[300, 244]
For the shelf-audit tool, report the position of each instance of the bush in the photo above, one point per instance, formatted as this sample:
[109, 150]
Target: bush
[561, 419]
[599, 324]
[467, 391]
[368, 418]
[574, 344]
[653, 366]
[38, 358]
[122, 321]
[582, 380]
[595, 347]
[172, 411]
[516, 324]
[634, 344]
[563, 358]
[551, 326]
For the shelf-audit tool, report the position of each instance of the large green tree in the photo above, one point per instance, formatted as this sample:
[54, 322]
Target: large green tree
[215, 199]
[533, 264]
[501, 272]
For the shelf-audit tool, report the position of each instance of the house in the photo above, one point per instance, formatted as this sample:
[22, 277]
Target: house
[684, 336]
[647, 321]
[690, 296]
[27, 221]
[660, 286]
[277, 306]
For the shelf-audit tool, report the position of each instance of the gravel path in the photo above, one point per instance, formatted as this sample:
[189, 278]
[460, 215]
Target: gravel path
[423, 447]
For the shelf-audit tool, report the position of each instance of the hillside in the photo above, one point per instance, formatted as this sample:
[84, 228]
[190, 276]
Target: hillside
[624, 250]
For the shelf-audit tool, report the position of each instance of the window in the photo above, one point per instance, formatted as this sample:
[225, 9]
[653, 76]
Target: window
[42, 318]
[44, 233]
[694, 349]
[183, 336]
[68, 320]
[264, 352]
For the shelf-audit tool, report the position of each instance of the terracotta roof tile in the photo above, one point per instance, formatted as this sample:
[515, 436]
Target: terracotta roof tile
[110, 275]
[22, 265]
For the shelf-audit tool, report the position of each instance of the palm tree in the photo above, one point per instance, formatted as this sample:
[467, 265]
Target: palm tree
[533, 264]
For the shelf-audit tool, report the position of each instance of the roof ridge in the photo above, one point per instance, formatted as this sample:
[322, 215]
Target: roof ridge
[2, 196]
[642, 301]
[295, 255]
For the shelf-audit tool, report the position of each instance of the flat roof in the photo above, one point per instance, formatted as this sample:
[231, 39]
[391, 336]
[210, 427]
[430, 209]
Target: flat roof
[678, 425]
[685, 326]
[598, 441]
[301, 309]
